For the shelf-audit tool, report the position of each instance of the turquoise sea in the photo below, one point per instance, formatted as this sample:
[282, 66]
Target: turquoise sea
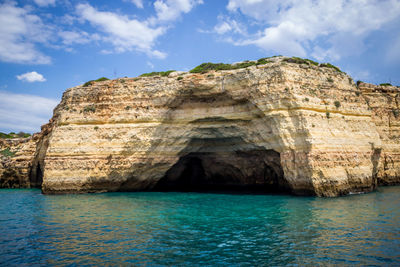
[195, 229]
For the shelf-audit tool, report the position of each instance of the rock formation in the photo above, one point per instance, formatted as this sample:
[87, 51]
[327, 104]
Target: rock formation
[15, 163]
[22, 159]
[280, 126]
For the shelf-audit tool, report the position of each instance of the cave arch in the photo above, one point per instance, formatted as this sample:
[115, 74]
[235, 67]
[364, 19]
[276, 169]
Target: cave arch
[236, 171]
[210, 139]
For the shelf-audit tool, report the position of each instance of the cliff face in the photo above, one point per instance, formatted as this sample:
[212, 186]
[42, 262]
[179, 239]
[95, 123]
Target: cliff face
[16, 162]
[275, 127]
[22, 159]
[384, 102]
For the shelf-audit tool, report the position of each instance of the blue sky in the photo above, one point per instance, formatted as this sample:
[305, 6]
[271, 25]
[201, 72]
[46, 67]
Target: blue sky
[47, 46]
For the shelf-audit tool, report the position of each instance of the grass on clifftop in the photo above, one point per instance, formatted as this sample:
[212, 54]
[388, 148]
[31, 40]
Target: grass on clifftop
[157, 73]
[329, 65]
[93, 81]
[14, 135]
[203, 68]
[299, 60]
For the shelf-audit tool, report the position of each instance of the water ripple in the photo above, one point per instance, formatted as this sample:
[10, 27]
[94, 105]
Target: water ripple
[199, 229]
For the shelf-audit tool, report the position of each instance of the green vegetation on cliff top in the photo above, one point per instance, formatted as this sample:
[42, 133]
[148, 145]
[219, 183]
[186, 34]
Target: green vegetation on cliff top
[93, 81]
[205, 67]
[202, 68]
[382, 84]
[157, 73]
[14, 135]
[299, 60]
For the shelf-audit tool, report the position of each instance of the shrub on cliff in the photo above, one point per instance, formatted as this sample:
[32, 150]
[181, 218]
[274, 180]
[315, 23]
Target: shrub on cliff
[299, 60]
[7, 153]
[5, 136]
[90, 108]
[157, 73]
[328, 114]
[386, 84]
[23, 135]
[14, 135]
[264, 60]
[329, 65]
[396, 112]
[88, 83]
[204, 67]
[102, 79]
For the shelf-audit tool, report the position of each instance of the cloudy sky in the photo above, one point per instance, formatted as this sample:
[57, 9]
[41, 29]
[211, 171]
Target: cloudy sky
[47, 46]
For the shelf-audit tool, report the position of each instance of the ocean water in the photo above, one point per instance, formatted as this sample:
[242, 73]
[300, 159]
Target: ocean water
[195, 229]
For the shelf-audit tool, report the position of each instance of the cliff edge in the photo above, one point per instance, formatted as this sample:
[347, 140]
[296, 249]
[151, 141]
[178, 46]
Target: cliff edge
[283, 125]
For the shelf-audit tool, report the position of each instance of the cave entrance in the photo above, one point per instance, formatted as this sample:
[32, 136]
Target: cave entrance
[36, 176]
[238, 171]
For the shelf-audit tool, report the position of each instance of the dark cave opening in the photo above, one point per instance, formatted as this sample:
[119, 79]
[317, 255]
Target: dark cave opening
[257, 171]
[36, 176]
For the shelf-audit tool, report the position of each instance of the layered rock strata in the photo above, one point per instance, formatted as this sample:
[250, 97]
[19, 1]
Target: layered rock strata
[281, 126]
[16, 162]
[22, 159]
[383, 101]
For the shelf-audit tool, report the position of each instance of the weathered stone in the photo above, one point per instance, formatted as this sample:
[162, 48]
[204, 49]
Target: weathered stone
[16, 161]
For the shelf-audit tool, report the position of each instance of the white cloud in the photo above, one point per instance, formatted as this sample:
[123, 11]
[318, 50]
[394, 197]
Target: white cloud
[31, 77]
[68, 19]
[281, 38]
[71, 37]
[45, 2]
[22, 31]
[138, 3]
[123, 33]
[227, 25]
[19, 32]
[222, 27]
[326, 29]
[170, 10]
[129, 34]
[19, 112]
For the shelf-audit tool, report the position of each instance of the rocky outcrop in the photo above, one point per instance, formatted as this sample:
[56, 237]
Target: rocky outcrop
[22, 159]
[16, 161]
[281, 126]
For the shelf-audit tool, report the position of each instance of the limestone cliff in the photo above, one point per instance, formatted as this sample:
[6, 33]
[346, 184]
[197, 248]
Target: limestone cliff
[15, 162]
[282, 125]
[384, 102]
[22, 159]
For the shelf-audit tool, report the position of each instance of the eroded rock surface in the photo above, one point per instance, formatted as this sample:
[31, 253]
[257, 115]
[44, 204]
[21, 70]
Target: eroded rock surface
[282, 126]
[22, 159]
[16, 162]
[384, 102]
